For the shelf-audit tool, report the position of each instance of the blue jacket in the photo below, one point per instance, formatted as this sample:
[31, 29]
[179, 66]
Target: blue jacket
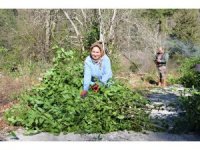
[101, 71]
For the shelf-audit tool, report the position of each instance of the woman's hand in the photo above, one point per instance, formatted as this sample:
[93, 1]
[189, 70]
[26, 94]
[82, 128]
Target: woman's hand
[83, 94]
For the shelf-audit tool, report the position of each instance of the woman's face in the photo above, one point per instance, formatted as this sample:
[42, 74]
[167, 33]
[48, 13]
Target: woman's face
[160, 50]
[96, 53]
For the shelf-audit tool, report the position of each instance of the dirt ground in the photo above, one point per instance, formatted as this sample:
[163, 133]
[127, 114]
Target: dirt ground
[9, 88]
[4, 126]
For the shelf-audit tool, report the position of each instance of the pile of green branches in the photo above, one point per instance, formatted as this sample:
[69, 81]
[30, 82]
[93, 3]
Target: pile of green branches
[56, 106]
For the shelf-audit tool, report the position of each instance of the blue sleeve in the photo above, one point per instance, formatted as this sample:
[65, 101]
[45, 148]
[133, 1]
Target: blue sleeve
[87, 76]
[107, 71]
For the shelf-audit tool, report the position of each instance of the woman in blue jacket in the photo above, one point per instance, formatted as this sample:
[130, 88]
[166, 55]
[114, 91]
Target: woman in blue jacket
[97, 65]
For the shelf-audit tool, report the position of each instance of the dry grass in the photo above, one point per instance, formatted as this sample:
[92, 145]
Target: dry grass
[4, 126]
[135, 80]
[10, 87]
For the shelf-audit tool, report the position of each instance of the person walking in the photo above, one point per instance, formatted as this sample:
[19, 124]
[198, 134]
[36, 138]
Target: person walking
[161, 60]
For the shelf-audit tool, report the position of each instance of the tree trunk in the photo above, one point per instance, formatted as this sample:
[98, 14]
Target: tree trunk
[111, 26]
[47, 33]
[54, 21]
[101, 34]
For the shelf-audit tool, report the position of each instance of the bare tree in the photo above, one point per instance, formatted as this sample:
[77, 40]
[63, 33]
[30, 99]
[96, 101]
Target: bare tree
[79, 36]
[102, 32]
[47, 31]
[136, 40]
[111, 31]
[121, 30]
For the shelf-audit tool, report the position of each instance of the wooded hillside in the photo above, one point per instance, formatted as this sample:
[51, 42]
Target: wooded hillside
[27, 36]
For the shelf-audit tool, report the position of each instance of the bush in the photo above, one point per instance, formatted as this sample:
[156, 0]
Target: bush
[55, 106]
[172, 79]
[191, 105]
[190, 77]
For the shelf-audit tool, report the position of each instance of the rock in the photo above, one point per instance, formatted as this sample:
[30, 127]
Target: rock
[197, 67]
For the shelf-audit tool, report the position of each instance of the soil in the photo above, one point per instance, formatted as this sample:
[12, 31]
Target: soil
[5, 128]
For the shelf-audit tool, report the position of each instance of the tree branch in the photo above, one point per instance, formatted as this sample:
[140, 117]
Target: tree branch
[76, 30]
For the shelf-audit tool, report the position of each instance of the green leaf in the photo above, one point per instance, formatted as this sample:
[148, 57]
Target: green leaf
[120, 117]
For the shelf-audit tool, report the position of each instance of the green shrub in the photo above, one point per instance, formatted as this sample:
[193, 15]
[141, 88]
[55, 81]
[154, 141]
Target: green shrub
[55, 106]
[190, 77]
[91, 35]
[171, 79]
[191, 105]
[9, 59]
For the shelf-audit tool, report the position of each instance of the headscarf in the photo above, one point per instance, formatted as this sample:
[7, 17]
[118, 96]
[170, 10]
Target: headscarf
[100, 46]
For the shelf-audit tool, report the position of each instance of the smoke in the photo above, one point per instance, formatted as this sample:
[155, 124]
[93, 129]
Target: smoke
[177, 46]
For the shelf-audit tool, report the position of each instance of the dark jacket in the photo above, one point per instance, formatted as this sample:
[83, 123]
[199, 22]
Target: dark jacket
[161, 59]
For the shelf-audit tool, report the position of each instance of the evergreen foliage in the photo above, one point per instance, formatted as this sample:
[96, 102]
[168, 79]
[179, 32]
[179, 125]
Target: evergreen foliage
[187, 30]
[187, 26]
[159, 16]
[7, 24]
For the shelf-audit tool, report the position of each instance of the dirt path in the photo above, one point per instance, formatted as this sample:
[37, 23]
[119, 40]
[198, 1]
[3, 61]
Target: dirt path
[165, 108]
[165, 105]
[113, 136]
